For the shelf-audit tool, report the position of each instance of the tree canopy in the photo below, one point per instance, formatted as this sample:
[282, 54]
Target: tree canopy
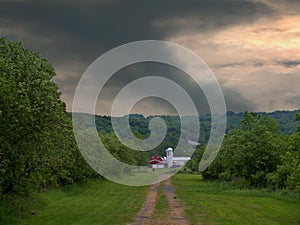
[37, 147]
[257, 155]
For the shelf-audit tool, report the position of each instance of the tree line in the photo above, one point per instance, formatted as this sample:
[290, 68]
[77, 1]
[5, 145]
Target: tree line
[256, 155]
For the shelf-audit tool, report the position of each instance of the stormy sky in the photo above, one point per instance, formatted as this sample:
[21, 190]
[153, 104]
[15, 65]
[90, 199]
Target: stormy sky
[252, 46]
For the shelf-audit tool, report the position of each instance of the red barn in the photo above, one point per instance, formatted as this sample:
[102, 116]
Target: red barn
[156, 161]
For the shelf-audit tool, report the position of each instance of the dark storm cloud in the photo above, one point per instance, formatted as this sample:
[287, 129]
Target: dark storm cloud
[233, 99]
[139, 70]
[237, 103]
[87, 29]
[77, 32]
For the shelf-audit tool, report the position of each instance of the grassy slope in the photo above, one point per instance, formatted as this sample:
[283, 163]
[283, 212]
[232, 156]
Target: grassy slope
[210, 203]
[94, 202]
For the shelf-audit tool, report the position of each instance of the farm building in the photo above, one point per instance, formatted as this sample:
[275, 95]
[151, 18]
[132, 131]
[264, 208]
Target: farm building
[169, 161]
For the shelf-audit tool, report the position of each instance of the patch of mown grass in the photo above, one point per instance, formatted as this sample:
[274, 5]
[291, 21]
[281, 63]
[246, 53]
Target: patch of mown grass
[220, 203]
[92, 202]
[161, 207]
[13, 208]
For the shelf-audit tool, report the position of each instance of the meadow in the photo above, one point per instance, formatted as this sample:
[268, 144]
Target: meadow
[90, 203]
[205, 202]
[208, 202]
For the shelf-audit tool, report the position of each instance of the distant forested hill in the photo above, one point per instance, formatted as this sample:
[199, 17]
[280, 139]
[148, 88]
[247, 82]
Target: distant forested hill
[285, 119]
[139, 125]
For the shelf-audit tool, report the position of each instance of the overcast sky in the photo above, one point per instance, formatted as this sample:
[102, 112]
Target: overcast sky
[253, 47]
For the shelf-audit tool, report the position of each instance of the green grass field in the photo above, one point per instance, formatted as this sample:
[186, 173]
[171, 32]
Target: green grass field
[214, 203]
[161, 207]
[103, 202]
[90, 203]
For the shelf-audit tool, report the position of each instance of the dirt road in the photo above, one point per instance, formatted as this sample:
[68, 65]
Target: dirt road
[174, 214]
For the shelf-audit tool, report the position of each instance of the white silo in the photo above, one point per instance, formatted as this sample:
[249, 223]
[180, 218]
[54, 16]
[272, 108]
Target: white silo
[169, 154]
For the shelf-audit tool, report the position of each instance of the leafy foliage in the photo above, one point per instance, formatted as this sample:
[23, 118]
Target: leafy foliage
[122, 152]
[37, 147]
[257, 155]
[287, 173]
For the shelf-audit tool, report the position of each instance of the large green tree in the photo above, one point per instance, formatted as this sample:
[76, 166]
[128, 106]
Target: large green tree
[36, 143]
[249, 153]
[287, 174]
